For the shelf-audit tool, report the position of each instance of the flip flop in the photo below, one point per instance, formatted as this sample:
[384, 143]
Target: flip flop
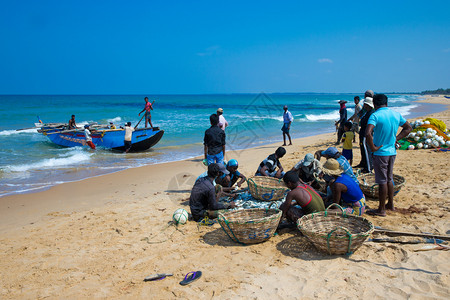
[154, 277]
[191, 277]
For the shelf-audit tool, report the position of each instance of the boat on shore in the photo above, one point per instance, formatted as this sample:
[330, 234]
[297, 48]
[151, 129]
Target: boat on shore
[102, 136]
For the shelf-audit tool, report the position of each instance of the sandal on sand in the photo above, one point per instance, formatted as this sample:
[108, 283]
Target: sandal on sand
[375, 212]
[154, 277]
[191, 277]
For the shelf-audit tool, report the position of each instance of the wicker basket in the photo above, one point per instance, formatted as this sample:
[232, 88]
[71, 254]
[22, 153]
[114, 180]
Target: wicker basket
[266, 188]
[335, 232]
[370, 188]
[250, 226]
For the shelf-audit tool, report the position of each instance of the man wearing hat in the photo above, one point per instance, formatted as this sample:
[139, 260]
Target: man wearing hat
[87, 135]
[308, 168]
[228, 180]
[287, 120]
[332, 152]
[222, 122]
[344, 189]
[381, 137]
[366, 155]
[342, 120]
[203, 201]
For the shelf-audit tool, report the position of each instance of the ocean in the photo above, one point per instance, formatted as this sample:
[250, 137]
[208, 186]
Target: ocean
[30, 162]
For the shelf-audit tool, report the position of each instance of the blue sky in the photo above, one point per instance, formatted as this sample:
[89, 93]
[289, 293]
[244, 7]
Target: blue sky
[176, 47]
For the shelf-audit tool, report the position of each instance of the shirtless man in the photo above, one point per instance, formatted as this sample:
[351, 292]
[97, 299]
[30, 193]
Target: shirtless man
[303, 195]
[72, 124]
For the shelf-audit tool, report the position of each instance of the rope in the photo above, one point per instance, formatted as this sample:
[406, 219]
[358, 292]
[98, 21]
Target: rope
[170, 224]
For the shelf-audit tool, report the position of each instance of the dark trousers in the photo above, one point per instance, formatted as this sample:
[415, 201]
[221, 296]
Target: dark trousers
[366, 155]
[340, 132]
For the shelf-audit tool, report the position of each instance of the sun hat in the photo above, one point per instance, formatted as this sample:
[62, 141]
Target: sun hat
[309, 158]
[368, 101]
[342, 101]
[232, 163]
[331, 151]
[220, 110]
[223, 169]
[368, 93]
[332, 167]
[285, 107]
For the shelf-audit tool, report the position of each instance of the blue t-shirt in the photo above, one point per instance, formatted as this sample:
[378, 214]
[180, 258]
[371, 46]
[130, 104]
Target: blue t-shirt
[353, 193]
[386, 122]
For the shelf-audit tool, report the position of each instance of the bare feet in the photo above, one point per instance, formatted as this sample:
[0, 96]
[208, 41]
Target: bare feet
[390, 207]
[290, 144]
[376, 212]
[283, 145]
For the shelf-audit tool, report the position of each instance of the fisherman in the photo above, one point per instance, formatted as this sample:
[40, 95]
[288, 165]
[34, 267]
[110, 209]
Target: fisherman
[111, 125]
[344, 190]
[268, 167]
[332, 152]
[128, 136]
[222, 121]
[203, 201]
[220, 189]
[214, 142]
[72, 124]
[303, 195]
[308, 169]
[342, 119]
[228, 180]
[287, 121]
[88, 136]
[148, 112]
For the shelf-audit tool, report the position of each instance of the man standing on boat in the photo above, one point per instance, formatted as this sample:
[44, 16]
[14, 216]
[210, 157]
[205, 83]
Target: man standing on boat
[128, 135]
[87, 134]
[148, 112]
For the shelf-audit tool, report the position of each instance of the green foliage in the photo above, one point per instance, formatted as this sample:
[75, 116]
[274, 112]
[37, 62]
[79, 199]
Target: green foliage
[437, 92]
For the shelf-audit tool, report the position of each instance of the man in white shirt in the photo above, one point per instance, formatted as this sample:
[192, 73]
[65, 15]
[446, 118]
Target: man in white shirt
[222, 122]
[87, 135]
[128, 135]
[287, 120]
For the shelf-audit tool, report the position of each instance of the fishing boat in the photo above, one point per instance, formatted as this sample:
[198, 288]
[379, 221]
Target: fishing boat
[102, 136]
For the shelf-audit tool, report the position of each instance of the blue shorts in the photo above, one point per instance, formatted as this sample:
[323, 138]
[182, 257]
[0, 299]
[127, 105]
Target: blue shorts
[216, 158]
[348, 154]
[285, 128]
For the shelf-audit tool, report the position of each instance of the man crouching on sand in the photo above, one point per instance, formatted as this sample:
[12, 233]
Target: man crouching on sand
[303, 195]
[203, 201]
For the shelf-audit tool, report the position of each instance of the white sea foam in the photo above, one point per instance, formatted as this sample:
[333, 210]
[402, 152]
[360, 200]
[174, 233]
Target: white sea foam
[115, 120]
[74, 157]
[12, 132]
[404, 110]
[334, 115]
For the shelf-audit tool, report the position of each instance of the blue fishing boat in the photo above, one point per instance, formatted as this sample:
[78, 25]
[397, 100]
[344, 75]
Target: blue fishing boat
[102, 136]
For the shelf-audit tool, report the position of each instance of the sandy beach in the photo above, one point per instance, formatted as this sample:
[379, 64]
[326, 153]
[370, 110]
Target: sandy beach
[99, 238]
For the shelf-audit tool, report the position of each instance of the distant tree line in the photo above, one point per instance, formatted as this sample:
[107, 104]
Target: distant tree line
[438, 91]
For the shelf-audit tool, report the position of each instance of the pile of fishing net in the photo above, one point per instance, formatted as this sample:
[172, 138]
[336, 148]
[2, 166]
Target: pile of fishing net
[426, 134]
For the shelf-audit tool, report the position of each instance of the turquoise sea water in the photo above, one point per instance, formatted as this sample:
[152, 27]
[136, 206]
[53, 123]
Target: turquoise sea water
[30, 162]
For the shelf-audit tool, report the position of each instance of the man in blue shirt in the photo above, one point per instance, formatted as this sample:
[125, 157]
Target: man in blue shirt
[287, 120]
[383, 124]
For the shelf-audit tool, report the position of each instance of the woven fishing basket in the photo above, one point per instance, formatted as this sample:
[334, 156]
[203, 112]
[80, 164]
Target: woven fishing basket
[370, 188]
[335, 232]
[266, 188]
[250, 226]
